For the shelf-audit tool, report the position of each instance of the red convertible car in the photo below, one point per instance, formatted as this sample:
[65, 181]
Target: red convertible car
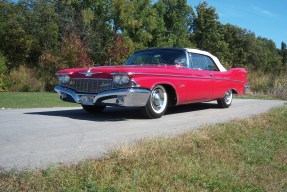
[153, 79]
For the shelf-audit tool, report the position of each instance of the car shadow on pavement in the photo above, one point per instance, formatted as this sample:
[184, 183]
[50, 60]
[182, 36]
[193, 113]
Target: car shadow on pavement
[120, 113]
[109, 114]
[191, 107]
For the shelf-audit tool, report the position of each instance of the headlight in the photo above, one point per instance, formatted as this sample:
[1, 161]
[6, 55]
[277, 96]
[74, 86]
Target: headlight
[125, 79]
[64, 78]
[117, 79]
[121, 79]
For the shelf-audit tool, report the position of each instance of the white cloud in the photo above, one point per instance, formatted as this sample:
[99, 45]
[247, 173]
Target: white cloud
[263, 11]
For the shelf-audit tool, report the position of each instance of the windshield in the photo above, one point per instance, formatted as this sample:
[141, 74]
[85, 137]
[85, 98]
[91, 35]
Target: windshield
[158, 57]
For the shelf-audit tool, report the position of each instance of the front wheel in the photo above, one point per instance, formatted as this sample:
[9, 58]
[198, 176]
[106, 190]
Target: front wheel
[226, 101]
[157, 103]
[93, 108]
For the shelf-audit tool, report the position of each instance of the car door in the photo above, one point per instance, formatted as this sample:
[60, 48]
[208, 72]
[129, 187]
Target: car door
[222, 83]
[219, 82]
[200, 78]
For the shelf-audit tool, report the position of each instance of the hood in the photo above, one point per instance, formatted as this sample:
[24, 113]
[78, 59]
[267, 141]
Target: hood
[106, 71]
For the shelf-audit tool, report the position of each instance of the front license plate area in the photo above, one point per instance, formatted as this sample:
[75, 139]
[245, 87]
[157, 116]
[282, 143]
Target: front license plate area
[87, 100]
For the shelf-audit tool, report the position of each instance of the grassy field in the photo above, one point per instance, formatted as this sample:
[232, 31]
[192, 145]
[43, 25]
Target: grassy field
[31, 100]
[243, 155]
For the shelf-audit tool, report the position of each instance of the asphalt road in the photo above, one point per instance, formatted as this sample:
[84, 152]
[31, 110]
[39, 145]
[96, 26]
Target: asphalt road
[40, 137]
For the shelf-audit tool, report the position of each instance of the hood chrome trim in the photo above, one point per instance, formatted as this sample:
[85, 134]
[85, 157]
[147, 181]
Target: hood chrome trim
[89, 73]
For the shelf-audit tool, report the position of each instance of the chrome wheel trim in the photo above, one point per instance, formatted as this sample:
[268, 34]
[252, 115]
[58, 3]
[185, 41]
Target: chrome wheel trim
[158, 99]
[228, 97]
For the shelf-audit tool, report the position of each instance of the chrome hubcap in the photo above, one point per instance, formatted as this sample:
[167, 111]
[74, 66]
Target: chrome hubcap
[228, 97]
[158, 100]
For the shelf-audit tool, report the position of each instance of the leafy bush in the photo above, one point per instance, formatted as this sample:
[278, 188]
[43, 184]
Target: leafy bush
[3, 64]
[3, 86]
[118, 51]
[49, 63]
[73, 54]
[24, 79]
[3, 71]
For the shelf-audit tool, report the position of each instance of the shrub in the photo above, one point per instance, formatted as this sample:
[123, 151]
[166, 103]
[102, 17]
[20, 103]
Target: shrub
[3, 72]
[3, 86]
[49, 63]
[273, 84]
[23, 79]
[118, 51]
[73, 54]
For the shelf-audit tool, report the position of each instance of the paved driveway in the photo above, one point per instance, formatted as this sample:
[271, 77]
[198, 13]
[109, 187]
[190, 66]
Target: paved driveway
[32, 138]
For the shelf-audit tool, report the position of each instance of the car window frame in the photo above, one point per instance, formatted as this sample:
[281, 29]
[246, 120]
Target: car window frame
[205, 65]
[130, 60]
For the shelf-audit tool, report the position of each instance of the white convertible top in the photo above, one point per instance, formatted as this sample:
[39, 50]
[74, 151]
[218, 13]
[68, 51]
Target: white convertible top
[214, 58]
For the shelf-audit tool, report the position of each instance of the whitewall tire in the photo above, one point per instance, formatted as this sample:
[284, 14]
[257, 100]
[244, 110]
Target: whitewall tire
[226, 101]
[157, 103]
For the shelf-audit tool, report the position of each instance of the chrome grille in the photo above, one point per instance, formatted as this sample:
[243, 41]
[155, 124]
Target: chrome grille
[93, 85]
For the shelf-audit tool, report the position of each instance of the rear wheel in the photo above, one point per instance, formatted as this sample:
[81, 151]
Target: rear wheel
[157, 103]
[226, 101]
[93, 108]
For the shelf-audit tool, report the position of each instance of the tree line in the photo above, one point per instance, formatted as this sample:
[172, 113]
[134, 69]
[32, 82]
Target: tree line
[39, 37]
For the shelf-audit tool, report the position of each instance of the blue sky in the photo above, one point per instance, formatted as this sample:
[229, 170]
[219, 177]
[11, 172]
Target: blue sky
[263, 17]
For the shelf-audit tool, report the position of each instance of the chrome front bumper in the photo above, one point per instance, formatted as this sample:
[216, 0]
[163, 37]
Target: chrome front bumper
[133, 97]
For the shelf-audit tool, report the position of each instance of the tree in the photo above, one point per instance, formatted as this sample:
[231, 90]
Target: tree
[134, 20]
[42, 25]
[207, 31]
[283, 52]
[95, 28]
[234, 37]
[272, 60]
[47, 35]
[175, 22]
[73, 54]
[15, 41]
[118, 51]
[90, 20]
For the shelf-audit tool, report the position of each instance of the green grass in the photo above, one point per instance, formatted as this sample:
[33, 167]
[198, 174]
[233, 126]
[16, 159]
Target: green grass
[31, 100]
[243, 155]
